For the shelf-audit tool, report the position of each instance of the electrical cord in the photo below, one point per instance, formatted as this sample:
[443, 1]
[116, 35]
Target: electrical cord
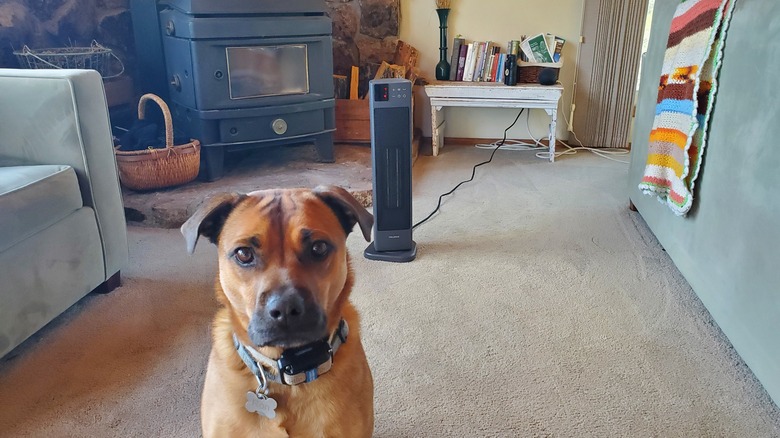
[473, 171]
[537, 145]
[542, 149]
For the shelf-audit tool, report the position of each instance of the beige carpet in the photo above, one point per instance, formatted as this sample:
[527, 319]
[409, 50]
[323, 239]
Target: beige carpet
[538, 306]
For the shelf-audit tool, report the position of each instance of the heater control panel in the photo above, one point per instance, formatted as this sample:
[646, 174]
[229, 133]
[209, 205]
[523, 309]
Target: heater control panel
[392, 93]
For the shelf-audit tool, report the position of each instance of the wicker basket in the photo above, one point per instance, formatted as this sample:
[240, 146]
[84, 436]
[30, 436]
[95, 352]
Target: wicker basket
[94, 57]
[528, 72]
[158, 168]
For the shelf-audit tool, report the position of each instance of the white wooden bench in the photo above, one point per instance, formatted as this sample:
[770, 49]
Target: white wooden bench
[490, 95]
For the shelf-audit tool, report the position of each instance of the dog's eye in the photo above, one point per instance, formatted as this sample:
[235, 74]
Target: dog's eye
[244, 256]
[320, 249]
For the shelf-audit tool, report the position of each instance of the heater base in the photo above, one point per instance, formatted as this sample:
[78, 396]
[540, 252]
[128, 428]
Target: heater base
[402, 256]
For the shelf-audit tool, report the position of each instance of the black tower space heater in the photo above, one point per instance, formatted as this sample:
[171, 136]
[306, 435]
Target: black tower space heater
[391, 159]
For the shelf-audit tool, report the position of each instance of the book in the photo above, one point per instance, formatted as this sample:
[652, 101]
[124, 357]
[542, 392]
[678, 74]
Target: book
[461, 61]
[558, 50]
[498, 56]
[486, 65]
[498, 67]
[489, 66]
[494, 66]
[536, 49]
[549, 39]
[501, 61]
[521, 55]
[468, 69]
[479, 75]
[456, 43]
[480, 62]
[493, 54]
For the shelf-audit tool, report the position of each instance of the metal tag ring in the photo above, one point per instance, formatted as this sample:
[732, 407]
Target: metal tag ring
[262, 381]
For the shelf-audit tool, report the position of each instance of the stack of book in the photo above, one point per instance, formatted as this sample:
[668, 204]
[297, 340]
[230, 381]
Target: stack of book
[478, 61]
[483, 61]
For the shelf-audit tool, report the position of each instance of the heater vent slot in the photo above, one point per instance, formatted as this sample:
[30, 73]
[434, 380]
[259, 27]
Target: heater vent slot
[393, 191]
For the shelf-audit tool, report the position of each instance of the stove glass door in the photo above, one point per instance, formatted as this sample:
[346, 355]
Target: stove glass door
[267, 70]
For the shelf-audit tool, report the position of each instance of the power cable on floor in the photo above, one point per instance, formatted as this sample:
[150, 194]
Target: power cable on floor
[473, 171]
[542, 150]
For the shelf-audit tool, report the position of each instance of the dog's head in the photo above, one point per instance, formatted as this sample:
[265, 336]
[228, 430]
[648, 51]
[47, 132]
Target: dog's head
[283, 264]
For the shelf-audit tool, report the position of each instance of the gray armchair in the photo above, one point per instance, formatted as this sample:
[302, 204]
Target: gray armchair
[62, 225]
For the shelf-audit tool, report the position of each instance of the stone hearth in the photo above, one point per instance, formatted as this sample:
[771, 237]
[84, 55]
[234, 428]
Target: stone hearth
[283, 167]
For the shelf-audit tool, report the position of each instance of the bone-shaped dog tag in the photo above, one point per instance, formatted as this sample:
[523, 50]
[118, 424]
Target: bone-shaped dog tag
[261, 404]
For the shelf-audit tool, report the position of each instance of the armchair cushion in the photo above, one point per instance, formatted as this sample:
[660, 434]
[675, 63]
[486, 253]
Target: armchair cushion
[60, 117]
[38, 196]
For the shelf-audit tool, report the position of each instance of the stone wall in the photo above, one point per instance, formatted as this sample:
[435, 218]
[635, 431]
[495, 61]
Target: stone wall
[65, 23]
[365, 32]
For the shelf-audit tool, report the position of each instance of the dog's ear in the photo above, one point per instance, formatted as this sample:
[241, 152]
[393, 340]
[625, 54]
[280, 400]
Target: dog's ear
[209, 218]
[347, 209]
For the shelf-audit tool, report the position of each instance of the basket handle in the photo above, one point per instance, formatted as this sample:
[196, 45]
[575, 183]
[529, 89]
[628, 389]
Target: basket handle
[166, 115]
[97, 45]
[121, 65]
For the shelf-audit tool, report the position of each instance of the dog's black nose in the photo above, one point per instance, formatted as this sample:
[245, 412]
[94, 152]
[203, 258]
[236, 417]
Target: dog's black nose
[285, 307]
[288, 316]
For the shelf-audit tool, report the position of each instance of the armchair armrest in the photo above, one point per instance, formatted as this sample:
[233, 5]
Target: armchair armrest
[61, 117]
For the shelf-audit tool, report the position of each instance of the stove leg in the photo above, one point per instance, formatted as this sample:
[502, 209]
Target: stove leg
[324, 145]
[212, 163]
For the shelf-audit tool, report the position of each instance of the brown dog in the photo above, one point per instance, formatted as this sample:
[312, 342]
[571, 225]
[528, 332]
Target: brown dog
[282, 363]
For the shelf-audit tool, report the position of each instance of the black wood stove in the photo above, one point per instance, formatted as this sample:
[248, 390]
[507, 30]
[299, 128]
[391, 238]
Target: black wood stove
[240, 74]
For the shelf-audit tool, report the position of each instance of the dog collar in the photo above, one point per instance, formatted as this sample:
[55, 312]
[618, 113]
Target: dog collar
[296, 365]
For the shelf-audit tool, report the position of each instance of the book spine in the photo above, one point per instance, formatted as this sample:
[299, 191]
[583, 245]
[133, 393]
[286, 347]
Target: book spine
[464, 48]
[521, 55]
[483, 73]
[494, 67]
[488, 52]
[501, 61]
[559, 42]
[489, 67]
[477, 76]
[472, 67]
[456, 43]
[468, 69]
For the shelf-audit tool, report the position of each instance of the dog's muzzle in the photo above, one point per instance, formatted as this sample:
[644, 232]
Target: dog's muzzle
[289, 317]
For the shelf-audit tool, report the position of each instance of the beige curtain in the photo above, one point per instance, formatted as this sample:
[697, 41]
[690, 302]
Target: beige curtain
[607, 71]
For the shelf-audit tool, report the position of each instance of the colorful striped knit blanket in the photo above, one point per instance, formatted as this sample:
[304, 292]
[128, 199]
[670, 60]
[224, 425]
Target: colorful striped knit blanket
[685, 96]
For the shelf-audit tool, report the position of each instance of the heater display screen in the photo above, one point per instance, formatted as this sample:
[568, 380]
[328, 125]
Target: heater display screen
[267, 70]
[381, 92]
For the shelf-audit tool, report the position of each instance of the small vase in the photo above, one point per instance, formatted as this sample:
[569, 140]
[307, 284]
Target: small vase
[443, 67]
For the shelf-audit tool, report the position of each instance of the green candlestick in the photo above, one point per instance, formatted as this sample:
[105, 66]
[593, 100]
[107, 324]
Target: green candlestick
[443, 67]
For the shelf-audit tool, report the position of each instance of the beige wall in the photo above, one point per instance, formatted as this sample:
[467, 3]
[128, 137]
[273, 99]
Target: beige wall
[499, 21]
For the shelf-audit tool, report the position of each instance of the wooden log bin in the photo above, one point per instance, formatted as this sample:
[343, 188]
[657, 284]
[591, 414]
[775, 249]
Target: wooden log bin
[353, 123]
